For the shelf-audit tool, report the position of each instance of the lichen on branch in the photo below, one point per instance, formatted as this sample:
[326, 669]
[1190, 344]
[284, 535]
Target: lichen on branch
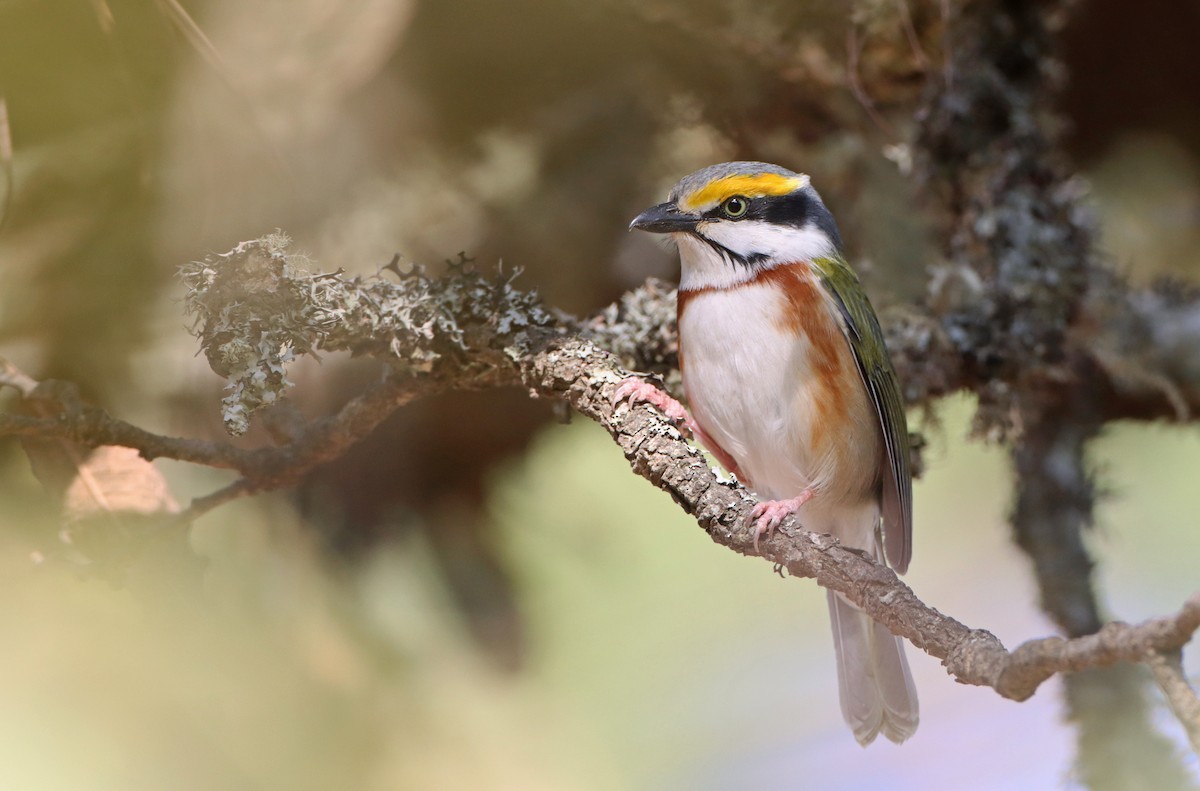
[257, 308]
[468, 330]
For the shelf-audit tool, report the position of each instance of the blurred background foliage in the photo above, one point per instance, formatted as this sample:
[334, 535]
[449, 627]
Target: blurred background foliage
[479, 597]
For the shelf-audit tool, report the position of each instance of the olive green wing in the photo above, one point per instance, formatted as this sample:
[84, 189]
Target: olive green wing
[862, 330]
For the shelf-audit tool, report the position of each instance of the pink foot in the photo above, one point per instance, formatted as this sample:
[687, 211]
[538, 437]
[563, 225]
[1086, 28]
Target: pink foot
[637, 391]
[768, 514]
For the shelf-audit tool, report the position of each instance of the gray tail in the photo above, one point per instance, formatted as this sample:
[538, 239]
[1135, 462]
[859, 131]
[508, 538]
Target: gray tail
[874, 682]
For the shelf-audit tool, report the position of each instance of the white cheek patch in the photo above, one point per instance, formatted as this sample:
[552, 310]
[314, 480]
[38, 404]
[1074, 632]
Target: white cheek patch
[780, 244]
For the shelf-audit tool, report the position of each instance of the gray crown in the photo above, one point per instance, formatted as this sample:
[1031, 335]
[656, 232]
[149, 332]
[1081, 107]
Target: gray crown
[701, 177]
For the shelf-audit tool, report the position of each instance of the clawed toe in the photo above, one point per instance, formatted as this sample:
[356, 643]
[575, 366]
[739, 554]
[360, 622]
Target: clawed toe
[625, 390]
[766, 518]
[769, 514]
[637, 391]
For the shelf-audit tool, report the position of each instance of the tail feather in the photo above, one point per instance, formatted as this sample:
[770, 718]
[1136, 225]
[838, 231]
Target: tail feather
[874, 683]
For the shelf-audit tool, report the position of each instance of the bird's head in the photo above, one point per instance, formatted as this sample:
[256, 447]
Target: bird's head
[735, 219]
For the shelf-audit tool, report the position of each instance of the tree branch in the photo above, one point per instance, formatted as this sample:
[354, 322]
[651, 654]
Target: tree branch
[1050, 339]
[469, 331]
[1167, 667]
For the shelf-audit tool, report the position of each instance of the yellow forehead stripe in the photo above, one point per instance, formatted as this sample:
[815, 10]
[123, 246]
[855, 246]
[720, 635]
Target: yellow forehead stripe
[756, 186]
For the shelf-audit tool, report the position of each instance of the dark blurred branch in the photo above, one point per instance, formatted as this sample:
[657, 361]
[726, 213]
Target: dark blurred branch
[261, 468]
[200, 506]
[1055, 498]
[1053, 343]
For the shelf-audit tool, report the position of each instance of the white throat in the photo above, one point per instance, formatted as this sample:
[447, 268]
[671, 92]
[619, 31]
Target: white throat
[766, 245]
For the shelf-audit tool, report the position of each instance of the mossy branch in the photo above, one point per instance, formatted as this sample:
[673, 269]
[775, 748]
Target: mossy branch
[471, 330]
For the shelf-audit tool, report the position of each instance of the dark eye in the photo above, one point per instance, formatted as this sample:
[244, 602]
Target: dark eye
[735, 207]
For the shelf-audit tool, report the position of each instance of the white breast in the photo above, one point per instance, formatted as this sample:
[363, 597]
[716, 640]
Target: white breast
[751, 386]
[744, 379]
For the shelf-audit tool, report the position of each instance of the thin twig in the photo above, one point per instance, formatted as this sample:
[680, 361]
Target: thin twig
[6, 163]
[269, 467]
[200, 506]
[1167, 668]
[12, 376]
[853, 50]
[910, 31]
[194, 34]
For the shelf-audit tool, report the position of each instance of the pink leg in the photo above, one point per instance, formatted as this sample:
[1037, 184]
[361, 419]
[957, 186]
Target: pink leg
[768, 514]
[637, 391]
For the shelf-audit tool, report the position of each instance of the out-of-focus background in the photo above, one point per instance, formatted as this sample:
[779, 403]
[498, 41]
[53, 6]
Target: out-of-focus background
[480, 597]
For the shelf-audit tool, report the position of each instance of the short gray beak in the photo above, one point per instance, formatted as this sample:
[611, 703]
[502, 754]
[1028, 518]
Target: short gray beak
[664, 218]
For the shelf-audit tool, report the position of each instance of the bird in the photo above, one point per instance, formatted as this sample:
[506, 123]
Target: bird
[791, 388]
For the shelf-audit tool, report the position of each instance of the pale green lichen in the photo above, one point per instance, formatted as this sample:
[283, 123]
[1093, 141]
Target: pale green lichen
[258, 307]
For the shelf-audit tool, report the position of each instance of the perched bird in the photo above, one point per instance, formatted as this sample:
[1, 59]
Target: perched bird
[791, 388]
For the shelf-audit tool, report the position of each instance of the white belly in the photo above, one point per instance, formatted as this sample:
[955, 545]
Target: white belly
[751, 386]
